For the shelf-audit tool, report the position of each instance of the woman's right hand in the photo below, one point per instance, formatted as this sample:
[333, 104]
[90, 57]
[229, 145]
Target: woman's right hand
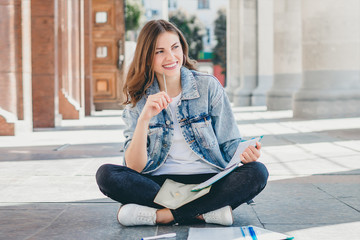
[154, 105]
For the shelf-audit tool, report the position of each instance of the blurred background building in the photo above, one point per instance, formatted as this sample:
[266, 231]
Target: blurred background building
[64, 59]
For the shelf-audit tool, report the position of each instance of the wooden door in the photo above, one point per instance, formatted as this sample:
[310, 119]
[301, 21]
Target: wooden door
[108, 34]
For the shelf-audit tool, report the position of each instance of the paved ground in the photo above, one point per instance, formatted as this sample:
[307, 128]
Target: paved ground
[48, 190]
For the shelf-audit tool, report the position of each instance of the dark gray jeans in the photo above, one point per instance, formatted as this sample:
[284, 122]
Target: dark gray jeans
[125, 185]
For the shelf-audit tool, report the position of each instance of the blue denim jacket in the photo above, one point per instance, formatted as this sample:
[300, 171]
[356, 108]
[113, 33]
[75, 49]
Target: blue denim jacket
[205, 117]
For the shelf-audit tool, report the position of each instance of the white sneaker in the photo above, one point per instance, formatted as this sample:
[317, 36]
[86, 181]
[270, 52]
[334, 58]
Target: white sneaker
[222, 216]
[133, 215]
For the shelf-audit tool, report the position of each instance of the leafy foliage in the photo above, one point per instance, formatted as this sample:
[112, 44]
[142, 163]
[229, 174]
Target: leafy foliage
[133, 12]
[220, 35]
[192, 29]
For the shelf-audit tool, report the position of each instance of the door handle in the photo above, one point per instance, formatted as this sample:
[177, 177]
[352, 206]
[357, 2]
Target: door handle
[121, 58]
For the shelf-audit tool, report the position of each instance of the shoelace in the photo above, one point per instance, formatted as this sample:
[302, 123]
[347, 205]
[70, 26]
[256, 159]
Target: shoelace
[145, 216]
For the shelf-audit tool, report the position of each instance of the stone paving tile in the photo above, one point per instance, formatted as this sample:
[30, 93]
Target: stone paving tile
[83, 221]
[92, 166]
[315, 166]
[273, 140]
[63, 167]
[340, 231]
[52, 189]
[287, 153]
[307, 138]
[327, 149]
[348, 193]
[64, 151]
[351, 144]
[350, 162]
[19, 222]
[252, 130]
[284, 202]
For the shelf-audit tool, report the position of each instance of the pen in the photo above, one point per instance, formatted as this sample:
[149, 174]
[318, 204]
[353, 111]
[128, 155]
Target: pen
[164, 82]
[242, 232]
[168, 235]
[252, 233]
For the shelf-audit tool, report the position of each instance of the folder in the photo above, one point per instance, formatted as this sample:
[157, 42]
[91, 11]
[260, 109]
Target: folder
[173, 195]
[231, 166]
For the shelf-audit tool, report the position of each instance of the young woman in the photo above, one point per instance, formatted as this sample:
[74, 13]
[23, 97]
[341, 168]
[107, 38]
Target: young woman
[179, 126]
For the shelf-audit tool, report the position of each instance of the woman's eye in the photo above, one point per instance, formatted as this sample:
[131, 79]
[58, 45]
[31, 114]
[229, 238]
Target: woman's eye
[158, 52]
[176, 46]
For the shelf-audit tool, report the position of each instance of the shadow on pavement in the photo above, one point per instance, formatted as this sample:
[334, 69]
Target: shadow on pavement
[303, 207]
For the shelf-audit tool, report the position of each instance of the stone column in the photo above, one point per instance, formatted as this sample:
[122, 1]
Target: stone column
[287, 54]
[331, 60]
[26, 125]
[8, 81]
[89, 103]
[265, 41]
[69, 60]
[234, 46]
[242, 95]
[44, 63]
[15, 68]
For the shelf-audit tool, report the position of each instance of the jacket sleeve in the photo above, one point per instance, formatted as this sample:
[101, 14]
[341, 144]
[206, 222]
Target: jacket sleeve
[129, 116]
[224, 123]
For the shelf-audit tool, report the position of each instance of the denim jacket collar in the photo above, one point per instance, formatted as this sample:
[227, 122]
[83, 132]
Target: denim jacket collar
[188, 85]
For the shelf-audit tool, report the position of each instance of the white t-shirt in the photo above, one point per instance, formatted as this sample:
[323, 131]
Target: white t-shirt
[181, 159]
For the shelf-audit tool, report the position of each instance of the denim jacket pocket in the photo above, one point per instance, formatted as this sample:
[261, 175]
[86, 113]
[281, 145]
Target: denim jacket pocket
[204, 133]
[154, 139]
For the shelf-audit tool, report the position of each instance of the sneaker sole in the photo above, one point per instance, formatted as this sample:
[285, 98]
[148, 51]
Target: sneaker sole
[117, 216]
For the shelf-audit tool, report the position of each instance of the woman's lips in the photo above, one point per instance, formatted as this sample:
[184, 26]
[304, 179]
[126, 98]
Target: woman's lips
[170, 66]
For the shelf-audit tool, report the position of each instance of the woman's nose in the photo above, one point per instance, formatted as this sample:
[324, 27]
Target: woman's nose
[169, 55]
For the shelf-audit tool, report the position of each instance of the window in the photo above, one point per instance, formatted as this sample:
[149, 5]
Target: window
[172, 4]
[101, 52]
[203, 4]
[101, 17]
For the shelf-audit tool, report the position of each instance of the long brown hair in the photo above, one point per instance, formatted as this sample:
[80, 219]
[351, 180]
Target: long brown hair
[141, 73]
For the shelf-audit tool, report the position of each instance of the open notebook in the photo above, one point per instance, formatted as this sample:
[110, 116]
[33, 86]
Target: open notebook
[174, 195]
[234, 163]
[238, 233]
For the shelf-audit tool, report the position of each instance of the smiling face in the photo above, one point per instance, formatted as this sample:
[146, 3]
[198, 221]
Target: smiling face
[168, 56]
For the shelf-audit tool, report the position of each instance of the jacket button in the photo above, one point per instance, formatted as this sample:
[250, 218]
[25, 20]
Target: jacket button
[164, 145]
[167, 122]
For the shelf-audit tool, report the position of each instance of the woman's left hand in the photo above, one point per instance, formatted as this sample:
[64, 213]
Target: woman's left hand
[251, 154]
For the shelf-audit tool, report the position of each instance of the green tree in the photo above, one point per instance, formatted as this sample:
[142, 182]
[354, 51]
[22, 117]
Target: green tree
[192, 28]
[133, 12]
[220, 36]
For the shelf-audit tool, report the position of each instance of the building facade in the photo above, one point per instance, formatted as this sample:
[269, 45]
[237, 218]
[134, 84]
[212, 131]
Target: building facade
[302, 55]
[205, 10]
[59, 60]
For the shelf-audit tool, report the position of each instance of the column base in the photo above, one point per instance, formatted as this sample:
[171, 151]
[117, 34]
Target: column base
[259, 94]
[242, 98]
[6, 129]
[277, 103]
[279, 100]
[68, 108]
[230, 94]
[7, 123]
[329, 104]
[280, 96]
[99, 106]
